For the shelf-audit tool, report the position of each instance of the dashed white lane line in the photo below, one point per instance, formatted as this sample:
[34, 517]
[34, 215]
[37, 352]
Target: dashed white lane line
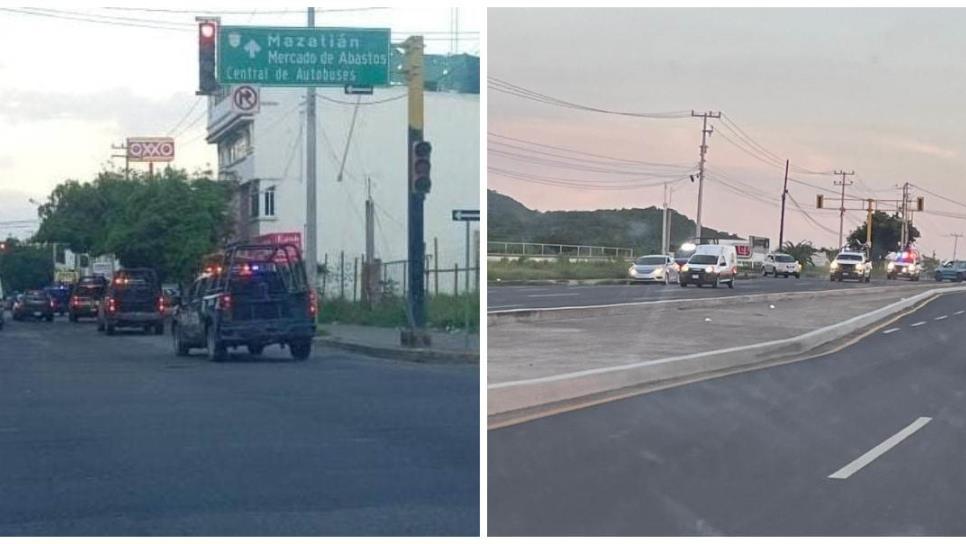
[960, 312]
[918, 323]
[877, 451]
[890, 331]
[940, 318]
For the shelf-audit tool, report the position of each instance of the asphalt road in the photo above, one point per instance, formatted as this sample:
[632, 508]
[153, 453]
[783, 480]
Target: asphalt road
[557, 296]
[752, 453]
[116, 436]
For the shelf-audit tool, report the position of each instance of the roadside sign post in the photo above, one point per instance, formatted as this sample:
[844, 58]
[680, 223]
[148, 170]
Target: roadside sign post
[467, 216]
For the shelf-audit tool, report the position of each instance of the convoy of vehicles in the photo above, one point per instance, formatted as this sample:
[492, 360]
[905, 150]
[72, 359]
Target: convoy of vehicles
[851, 264]
[710, 264]
[60, 295]
[776, 264]
[35, 304]
[253, 295]
[654, 268]
[86, 296]
[133, 299]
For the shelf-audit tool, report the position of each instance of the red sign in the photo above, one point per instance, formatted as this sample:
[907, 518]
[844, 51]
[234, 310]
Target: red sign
[150, 149]
[294, 238]
[743, 251]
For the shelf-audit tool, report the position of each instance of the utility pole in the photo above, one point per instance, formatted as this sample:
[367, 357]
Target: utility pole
[311, 220]
[781, 226]
[370, 244]
[844, 184]
[664, 226]
[127, 162]
[955, 238]
[705, 132]
[868, 224]
[905, 215]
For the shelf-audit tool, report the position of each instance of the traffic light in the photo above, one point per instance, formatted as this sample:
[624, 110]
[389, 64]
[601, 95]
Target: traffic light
[421, 166]
[920, 203]
[207, 34]
[818, 201]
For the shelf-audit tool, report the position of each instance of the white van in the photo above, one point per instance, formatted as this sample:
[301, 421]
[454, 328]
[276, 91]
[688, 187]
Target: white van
[709, 265]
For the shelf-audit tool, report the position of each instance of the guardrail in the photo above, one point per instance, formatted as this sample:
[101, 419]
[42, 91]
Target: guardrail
[539, 249]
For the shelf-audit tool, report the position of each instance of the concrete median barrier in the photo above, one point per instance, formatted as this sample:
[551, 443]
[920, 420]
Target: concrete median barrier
[531, 395]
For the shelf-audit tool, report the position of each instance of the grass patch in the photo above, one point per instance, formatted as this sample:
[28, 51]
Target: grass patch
[443, 312]
[560, 269]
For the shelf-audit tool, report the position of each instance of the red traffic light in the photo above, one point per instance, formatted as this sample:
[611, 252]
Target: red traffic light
[207, 31]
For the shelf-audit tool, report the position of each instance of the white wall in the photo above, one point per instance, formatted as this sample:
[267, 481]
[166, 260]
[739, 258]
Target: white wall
[378, 150]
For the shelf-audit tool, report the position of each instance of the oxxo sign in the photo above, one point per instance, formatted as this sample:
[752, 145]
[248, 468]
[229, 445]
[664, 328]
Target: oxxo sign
[150, 149]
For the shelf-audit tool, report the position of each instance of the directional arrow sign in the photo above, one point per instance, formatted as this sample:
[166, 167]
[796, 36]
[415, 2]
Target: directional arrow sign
[303, 57]
[358, 89]
[466, 215]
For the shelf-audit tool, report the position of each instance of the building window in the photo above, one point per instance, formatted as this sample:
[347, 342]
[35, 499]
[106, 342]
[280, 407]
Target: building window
[236, 146]
[253, 199]
[269, 207]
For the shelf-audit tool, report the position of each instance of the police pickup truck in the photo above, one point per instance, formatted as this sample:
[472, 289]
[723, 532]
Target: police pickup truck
[851, 264]
[252, 295]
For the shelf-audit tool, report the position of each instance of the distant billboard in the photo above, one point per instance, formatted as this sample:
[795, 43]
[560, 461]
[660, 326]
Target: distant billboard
[294, 238]
[150, 149]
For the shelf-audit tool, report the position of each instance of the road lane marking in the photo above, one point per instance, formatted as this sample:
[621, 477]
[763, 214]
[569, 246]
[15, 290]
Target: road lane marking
[505, 306]
[555, 295]
[918, 323]
[960, 312]
[890, 331]
[877, 451]
[940, 318]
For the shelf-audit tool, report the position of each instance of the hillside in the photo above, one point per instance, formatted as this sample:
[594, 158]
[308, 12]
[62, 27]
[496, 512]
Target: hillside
[511, 221]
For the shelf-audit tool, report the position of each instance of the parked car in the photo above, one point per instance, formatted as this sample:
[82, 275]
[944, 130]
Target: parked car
[35, 304]
[653, 268]
[851, 264]
[133, 299]
[86, 297]
[256, 296]
[709, 265]
[952, 271]
[781, 264]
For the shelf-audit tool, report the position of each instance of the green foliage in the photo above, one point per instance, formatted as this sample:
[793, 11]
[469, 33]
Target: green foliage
[442, 312]
[23, 267]
[802, 251]
[560, 269]
[510, 221]
[886, 234]
[167, 221]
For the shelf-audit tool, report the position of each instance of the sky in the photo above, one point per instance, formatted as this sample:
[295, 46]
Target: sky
[874, 91]
[70, 88]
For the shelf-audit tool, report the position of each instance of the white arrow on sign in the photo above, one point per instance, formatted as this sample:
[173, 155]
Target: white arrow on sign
[466, 215]
[252, 48]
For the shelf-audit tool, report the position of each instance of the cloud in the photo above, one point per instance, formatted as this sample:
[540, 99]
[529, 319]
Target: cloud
[922, 148]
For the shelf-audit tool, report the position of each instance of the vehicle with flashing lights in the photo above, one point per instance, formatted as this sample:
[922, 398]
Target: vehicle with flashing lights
[251, 295]
[851, 264]
[781, 264]
[60, 295]
[710, 264]
[86, 296]
[132, 300]
[907, 264]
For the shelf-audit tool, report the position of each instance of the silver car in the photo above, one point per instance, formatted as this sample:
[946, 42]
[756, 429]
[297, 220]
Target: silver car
[653, 268]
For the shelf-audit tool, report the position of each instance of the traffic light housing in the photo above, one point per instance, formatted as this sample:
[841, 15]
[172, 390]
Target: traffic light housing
[207, 36]
[419, 177]
[920, 203]
[819, 200]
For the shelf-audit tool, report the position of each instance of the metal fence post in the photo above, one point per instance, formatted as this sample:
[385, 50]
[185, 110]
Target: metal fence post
[456, 279]
[355, 277]
[435, 266]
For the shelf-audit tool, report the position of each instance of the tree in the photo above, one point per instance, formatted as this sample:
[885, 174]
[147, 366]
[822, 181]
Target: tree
[886, 234]
[802, 251]
[24, 267]
[167, 222]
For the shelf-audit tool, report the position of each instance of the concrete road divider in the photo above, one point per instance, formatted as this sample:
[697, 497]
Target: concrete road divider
[528, 398]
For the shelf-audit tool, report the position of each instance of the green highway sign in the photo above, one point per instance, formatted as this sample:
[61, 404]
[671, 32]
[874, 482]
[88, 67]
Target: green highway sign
[303, 57]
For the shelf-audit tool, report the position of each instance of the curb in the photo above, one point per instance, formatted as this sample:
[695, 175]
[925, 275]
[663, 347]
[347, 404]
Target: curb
[499, 317]
[414, 355]
[522, 396]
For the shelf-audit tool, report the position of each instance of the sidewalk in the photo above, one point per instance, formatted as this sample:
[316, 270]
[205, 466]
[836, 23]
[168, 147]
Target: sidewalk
[384, 342]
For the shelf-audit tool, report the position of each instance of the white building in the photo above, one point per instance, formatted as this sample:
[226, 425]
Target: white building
[264, 153]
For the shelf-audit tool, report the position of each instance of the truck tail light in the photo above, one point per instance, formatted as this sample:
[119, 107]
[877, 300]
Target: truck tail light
[313, 304]
[224, 304]
[161, 304]
[111, 308]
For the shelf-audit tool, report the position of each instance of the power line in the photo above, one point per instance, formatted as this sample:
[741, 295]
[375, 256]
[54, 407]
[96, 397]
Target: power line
[587, 185]
[369, 103]
[185, 117]
[242, 12]
[584, 153]
[506, 87]
[99, 21]
[941, 197]
[570, 165]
